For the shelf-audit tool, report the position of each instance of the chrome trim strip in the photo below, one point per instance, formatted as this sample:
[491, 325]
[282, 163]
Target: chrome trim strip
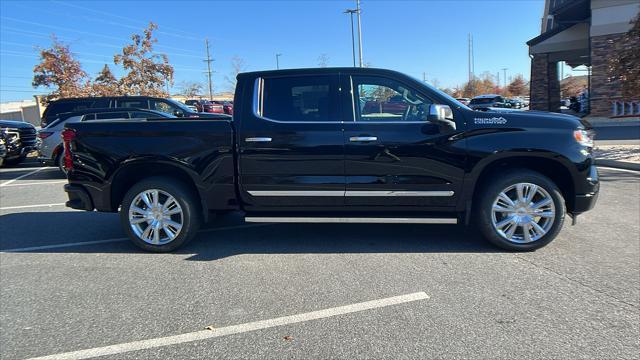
[363, 138]
[297, 193]
[354, 193]
[258, 139]
[398, 193]
[351, 220]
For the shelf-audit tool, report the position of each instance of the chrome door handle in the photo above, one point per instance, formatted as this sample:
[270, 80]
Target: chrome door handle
[363, 138]
[257, 139]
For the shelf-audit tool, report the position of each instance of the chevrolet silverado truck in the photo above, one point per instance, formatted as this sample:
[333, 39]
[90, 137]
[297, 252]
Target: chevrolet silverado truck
[303, 147]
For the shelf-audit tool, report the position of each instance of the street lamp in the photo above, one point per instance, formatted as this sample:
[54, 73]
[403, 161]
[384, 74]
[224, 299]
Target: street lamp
[353, 40]
[278, 61]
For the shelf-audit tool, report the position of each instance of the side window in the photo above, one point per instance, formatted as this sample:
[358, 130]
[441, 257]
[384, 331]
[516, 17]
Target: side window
[133, 103]
[101, 103]
[382, 99]
[89, 117]
[300, 98]
[165, 107]
[142, 115]
[112, 115]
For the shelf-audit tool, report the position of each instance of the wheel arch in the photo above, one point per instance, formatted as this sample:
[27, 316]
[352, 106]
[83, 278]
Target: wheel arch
[557, 169]
[135, 171]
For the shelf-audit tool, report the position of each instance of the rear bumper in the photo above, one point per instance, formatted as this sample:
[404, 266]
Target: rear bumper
[78, 197]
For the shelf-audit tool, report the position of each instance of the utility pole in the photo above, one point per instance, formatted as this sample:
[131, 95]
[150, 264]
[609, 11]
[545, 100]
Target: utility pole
[353, 41]
[278, 61]
[209, 60]
[504, 71]
[359, 31]
[498, 77]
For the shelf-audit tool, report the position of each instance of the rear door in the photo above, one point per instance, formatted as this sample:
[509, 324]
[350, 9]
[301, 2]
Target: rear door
[291, 145]
[393, 155]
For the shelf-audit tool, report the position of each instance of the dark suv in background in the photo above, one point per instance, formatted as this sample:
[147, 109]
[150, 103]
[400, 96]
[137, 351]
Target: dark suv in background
[485, 102]
[167, 106]
[19, 138]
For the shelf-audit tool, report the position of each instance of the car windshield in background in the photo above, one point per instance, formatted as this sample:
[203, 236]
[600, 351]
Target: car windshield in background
[180, 105]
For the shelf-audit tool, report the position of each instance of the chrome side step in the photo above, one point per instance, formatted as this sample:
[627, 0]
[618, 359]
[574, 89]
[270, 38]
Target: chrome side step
[350, 220]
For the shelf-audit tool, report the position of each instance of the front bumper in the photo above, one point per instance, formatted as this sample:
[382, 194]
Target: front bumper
[586, 201]
[78, 197]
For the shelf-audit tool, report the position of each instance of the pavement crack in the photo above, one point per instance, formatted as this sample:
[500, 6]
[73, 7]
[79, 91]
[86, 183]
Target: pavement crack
[635, 307]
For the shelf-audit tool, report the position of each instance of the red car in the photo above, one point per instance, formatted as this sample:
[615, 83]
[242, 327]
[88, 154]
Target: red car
[209, 107]
[227, 106]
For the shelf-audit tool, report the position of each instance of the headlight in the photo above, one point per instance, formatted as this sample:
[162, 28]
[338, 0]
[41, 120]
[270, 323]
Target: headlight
[584, 137]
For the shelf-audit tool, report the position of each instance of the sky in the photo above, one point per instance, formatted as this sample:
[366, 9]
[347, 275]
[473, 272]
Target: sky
[413, 37]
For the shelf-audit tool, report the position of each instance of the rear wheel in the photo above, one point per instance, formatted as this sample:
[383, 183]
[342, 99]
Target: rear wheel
[522, 210]
[160, 214]
[60, 163]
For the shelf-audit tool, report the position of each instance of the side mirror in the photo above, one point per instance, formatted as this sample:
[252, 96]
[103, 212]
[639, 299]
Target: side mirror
[441, 115]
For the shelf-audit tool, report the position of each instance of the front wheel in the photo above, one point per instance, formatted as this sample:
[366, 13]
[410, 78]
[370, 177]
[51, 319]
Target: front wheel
[160, 214]
[521, 210]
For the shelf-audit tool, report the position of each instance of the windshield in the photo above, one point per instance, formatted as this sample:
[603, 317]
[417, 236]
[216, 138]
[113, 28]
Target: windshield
[180, 105]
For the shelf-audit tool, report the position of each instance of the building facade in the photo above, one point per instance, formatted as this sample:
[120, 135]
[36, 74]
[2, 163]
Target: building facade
[582, 32]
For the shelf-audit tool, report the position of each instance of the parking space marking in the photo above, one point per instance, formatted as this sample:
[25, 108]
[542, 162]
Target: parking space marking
[23, 176]
[236, 329]
[94, 242]
[617, 169]
[30, 206]
[4, 171]
[39, 183]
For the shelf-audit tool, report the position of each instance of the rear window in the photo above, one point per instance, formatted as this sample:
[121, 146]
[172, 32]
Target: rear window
[298, 98]
[482, 100]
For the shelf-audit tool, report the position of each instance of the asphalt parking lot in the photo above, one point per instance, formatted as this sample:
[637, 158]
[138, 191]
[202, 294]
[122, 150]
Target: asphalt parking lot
[73, 287]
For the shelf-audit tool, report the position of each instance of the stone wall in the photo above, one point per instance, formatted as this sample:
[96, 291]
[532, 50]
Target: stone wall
[544, 85]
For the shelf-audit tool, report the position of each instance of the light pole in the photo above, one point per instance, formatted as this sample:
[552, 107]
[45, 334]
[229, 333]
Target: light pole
[278, 61]
[353, 40]
[504, 72]
[359, 31]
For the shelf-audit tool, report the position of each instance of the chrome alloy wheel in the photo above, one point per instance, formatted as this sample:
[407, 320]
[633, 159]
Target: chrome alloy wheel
[155, 217]
[523, 213]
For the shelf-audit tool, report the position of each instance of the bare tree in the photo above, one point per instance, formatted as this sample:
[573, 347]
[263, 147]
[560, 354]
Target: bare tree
[237, 66]
[323, 60]
[60, 71]
[191, 88]
[148, 72]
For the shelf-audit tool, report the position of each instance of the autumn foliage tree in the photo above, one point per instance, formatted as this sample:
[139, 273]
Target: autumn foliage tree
[105, 84]
[147, 72]
[518, 86]
[59, 71]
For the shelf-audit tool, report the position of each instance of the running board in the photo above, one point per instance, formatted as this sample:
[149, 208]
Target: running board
[350, 220]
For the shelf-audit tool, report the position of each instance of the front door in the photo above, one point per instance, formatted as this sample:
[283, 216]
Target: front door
[291, 144]
[394, 157]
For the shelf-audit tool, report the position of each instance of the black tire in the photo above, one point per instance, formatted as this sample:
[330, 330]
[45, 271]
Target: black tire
[60, 163]
[491, 190]
[188, 201]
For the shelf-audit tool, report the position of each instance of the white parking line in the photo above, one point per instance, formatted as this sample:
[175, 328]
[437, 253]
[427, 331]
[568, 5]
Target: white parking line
[4, 171]
[22, 176]
[38, 183]
[237, 329]
[617, 169]
[30, 206]
[58, 246]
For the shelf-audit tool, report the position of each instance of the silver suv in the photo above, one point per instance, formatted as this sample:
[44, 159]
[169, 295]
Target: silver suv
[50, 150]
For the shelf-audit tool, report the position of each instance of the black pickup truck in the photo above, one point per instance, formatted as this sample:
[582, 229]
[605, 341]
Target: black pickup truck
[341, 145]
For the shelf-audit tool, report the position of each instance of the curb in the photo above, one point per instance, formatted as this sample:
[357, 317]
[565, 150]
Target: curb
[618, 164]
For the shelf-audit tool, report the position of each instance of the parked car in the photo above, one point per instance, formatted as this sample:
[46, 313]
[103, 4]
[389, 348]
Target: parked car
[488, 101]
[20, 140]
[515, 103]
[3, 147]
[191, 104]
[50, 147]
[208, 106]
[168, 106]
[228, 107]
[301, 150]
[464, 101]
